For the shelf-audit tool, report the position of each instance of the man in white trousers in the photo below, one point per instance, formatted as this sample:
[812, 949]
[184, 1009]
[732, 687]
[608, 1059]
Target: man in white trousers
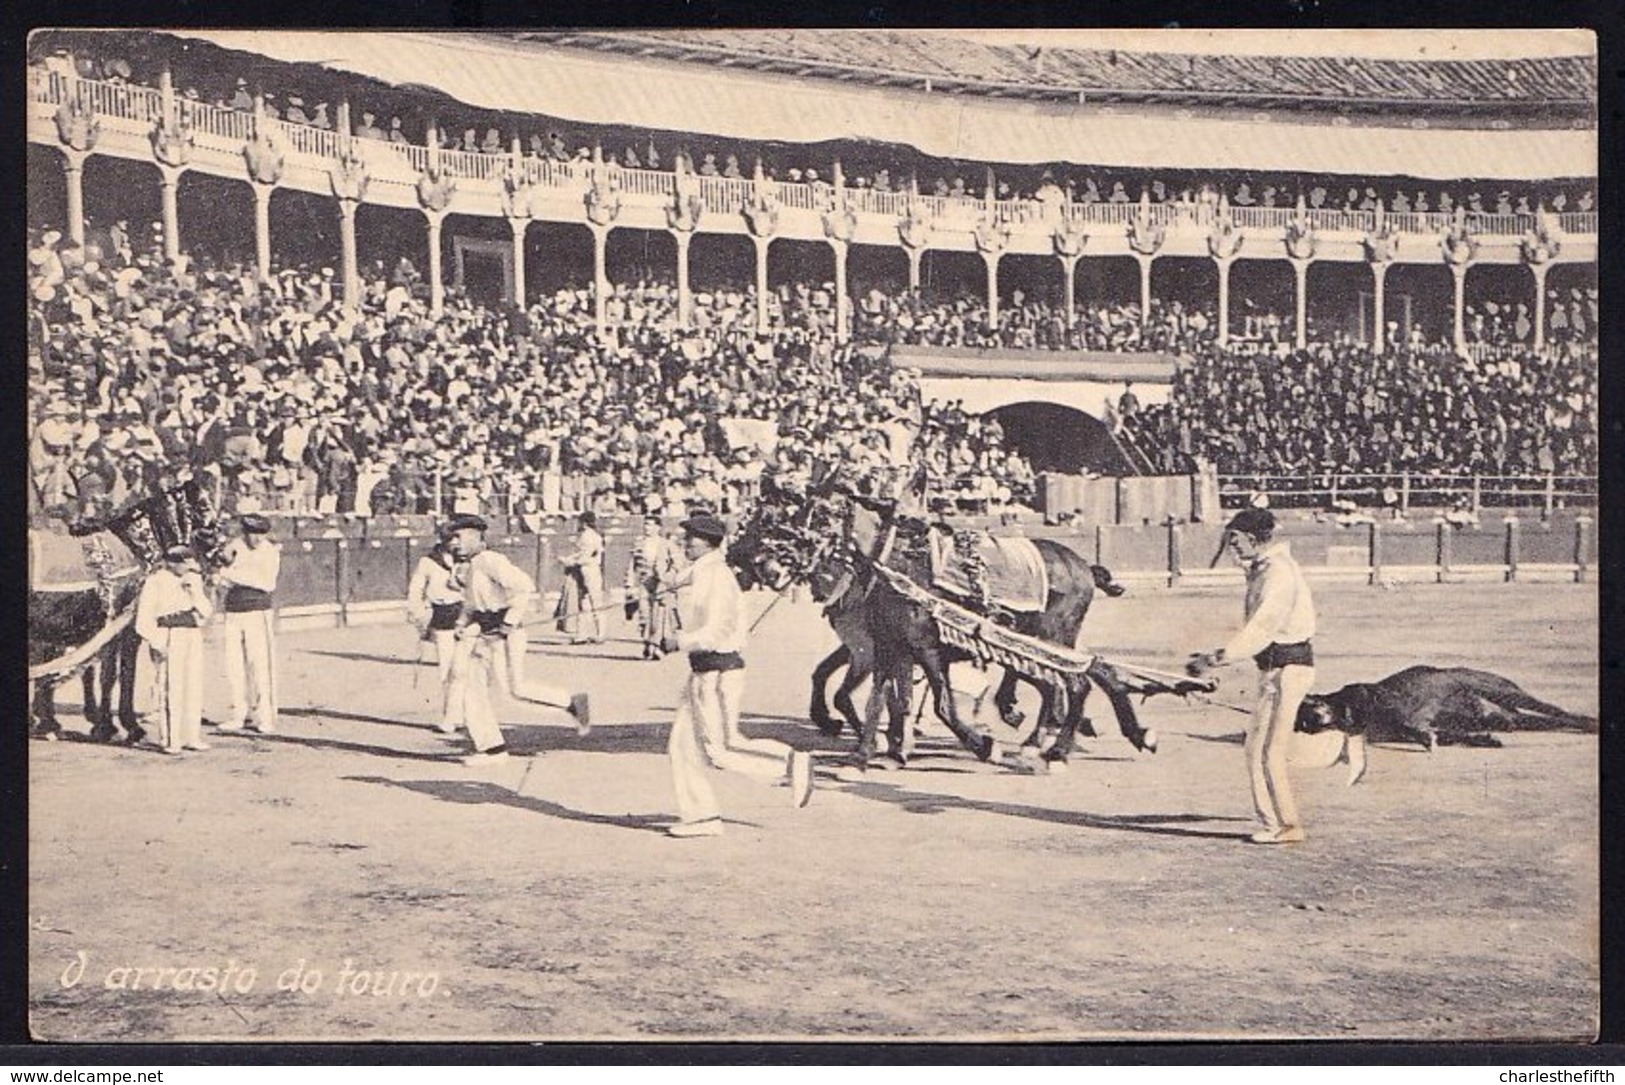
[1279, 627]
[253, 563]
[169, 616]
[711, 614]
[491, 642]
[434, 600]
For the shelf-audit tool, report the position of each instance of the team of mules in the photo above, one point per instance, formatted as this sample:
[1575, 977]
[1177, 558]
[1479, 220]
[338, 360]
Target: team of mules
[85, 572]
[841, 545]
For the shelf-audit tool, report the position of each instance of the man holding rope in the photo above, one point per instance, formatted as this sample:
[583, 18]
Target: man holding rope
[1280, 622]
[491, 642]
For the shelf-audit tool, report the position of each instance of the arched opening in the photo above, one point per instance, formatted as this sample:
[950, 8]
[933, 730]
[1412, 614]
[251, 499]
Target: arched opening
[558, 256]
[721, 261]
[384, 236]
[216, 219]
[1339, 301]
[477, 258]
[1498, 299]
[947, 277]
[1420, 299]
[1107, 282]
[1190, 282]
[46, 191]
[1263, 301]
[882, 268]
[1062, 439]
[304, 229]
[641, 256]
[120, 189]
[795, 263]
[1027, 279]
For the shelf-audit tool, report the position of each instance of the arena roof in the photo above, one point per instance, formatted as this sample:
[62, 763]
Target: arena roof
[642, 80]
[966, 64]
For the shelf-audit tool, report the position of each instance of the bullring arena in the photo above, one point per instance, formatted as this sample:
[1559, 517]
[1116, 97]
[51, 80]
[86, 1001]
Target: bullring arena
[351, 321]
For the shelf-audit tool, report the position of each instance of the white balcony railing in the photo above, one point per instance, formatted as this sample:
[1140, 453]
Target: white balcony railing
[221, 126]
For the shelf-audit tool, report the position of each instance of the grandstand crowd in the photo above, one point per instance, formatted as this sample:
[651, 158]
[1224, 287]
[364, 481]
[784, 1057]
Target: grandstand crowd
[293, 404]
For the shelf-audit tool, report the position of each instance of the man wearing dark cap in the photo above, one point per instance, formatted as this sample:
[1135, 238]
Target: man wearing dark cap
[169, 616]
[711, 617]
[491, 642]
[1279, 626]
[253, 563]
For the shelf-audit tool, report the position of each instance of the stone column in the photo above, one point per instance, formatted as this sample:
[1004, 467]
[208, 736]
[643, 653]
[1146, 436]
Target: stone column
[73, 167]
[1300, 272]
[348, 265]
[1224, 298]
[518, 225]
[1540, 271]
[171, 180]
[685, 296]
[991, 259]
[914, 257]
[1069, 281]
[1379, 284]
[262, 229]
[1145, 287]
[437, 286]
[761, 282]
[1459, 273]
[600, 277]
[843, 303]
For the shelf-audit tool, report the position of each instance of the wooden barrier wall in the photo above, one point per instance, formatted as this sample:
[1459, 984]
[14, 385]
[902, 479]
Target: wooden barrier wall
[335, 574]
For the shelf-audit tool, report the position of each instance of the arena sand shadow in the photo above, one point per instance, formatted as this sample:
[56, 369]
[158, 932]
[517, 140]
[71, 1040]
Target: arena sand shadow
[915, 802]
[483, 792]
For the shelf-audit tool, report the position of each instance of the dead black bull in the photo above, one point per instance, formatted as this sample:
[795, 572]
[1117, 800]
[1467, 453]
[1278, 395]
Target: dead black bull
[1432, 706]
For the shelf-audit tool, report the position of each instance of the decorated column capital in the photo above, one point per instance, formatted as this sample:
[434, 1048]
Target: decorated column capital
[1457, 243]
[1145, 233]
[1543, 244]
[77, 128]
[992, 235]
[1224, 241]
[1069, 239]
[518, 187]
[1300, 238]
[840, 224]
[914, 227]
[263, 153]
[435, 189]
[761, 209]
[349, 177]
[603, 198]
[1381, 244]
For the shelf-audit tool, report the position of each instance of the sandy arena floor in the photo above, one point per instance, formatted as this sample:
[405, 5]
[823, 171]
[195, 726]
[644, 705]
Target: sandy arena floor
[1449, 896]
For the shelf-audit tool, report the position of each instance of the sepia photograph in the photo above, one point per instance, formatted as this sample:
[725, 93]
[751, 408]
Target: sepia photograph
[835, 536]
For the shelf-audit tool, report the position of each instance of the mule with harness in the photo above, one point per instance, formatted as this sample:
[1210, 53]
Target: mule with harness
[893, 604]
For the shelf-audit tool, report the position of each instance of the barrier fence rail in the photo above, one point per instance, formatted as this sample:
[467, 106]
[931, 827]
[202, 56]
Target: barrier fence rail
[352, 570]
[1406, 491]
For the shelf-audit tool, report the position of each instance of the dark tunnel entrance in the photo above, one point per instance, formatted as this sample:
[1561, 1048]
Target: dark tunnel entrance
[1061, 439]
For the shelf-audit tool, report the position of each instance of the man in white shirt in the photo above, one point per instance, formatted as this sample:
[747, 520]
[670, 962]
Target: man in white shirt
[1279, 626]
[491, 642]
[253, 563]
[711, 617]
[585, 565]
[434, 602]
[169, 616]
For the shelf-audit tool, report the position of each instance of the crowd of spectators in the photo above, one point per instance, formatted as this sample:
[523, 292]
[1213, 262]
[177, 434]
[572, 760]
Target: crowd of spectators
[1505, 409]
[1031, 324]
[292, 403]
